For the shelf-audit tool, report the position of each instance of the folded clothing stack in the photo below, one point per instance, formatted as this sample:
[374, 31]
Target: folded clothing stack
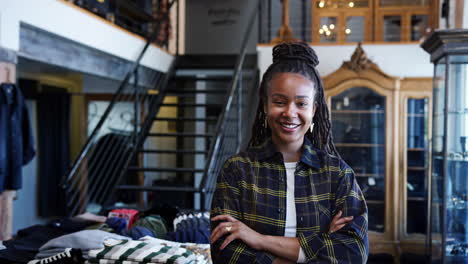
[149, 250]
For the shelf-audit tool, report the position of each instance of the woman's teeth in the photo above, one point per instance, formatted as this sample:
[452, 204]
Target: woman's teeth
[289, 125]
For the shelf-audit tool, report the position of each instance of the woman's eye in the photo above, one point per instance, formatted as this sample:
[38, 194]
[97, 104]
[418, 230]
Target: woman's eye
[303, 104]
[278, 103]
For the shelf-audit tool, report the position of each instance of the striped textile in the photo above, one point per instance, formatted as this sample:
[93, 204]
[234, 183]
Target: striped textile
[145, 251]
[252, 188]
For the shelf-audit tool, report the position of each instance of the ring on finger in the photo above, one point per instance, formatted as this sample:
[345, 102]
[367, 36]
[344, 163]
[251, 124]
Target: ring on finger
[228, 228]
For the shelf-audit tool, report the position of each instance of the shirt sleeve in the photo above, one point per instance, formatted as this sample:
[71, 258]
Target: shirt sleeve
[226, 201]
[349, 244]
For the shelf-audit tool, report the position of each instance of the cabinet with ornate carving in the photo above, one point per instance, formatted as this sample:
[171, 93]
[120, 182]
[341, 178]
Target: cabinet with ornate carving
[380, 126]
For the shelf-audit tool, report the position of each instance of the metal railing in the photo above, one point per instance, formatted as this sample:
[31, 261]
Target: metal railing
[108, 149]
[233, 125]
[232, 128]
[103, 162]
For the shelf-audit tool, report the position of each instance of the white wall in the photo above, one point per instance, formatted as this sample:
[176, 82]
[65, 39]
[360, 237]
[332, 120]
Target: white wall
[63, 19]
[218, 26]
[399, 60]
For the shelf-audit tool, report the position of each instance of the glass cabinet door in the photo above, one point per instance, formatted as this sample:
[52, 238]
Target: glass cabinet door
[456, 178]
[449, 186]
[437, 171]
[416, 165]
[358, 123]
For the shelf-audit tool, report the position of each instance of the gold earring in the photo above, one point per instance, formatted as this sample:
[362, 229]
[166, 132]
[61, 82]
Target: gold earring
[311, 127]
[265, 124]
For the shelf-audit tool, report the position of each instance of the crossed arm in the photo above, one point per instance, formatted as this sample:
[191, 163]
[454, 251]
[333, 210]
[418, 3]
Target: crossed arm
[286, 249]
[234, 242]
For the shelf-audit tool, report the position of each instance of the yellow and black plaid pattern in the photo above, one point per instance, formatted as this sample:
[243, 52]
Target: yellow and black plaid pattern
[252, 188]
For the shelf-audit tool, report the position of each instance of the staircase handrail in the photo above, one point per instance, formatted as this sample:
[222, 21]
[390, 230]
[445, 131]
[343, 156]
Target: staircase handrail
[214, 148]
[84, 151]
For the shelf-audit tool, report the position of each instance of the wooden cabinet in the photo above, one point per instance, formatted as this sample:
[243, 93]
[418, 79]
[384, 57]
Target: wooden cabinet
[380, 127]
[344, 21]
[340, 22]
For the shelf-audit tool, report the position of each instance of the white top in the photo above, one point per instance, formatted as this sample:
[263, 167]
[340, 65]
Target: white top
[291, 221]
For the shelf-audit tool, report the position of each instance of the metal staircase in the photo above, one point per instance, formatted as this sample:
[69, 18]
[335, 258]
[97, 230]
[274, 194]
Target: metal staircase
[183, 129]
[176, 160]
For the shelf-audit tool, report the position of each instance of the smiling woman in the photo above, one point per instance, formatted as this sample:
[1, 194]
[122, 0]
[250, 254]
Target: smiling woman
[289, 197]
[290, 109]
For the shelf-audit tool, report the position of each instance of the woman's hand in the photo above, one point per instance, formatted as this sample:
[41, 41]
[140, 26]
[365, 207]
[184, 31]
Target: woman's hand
[338, 223]
[236, 230]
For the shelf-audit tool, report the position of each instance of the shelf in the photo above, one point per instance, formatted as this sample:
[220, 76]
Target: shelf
[417, 168]
[416, 199]
[416, 115]
[353, 145]
[358, 112]
[451, 159]
[416, 149]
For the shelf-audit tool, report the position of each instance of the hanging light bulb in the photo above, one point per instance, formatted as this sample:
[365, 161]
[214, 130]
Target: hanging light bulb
[320, 31]
[321, 4]
[327, 33]
[351, 4]
[324, 27]
[348, 31]
[332, 26]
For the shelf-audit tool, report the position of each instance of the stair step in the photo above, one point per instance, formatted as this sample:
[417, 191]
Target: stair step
[209, 61]
[186, 119]
[195, 91]
[157, 188]
[179, 135]
[191, 105]
[154, 169]
[195, 78]
[171, 151]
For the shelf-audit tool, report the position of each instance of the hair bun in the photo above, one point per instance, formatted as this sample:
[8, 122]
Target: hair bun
[295, 51]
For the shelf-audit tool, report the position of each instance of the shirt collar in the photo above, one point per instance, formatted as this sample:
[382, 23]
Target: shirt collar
[310, 155]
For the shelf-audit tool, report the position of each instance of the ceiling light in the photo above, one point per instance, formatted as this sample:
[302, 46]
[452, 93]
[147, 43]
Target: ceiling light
[332, 26]
[348, 31]
[321, 4]
[320, 31]
[324, 27]
[351, 4]
[328, 33]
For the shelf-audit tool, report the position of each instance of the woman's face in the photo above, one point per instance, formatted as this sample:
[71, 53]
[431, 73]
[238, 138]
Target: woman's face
[290, 108]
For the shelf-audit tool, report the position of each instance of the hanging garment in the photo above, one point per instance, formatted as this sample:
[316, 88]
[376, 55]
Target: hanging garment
[16, 138]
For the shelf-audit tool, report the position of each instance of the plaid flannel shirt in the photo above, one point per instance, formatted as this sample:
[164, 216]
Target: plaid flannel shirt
[252, 188]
